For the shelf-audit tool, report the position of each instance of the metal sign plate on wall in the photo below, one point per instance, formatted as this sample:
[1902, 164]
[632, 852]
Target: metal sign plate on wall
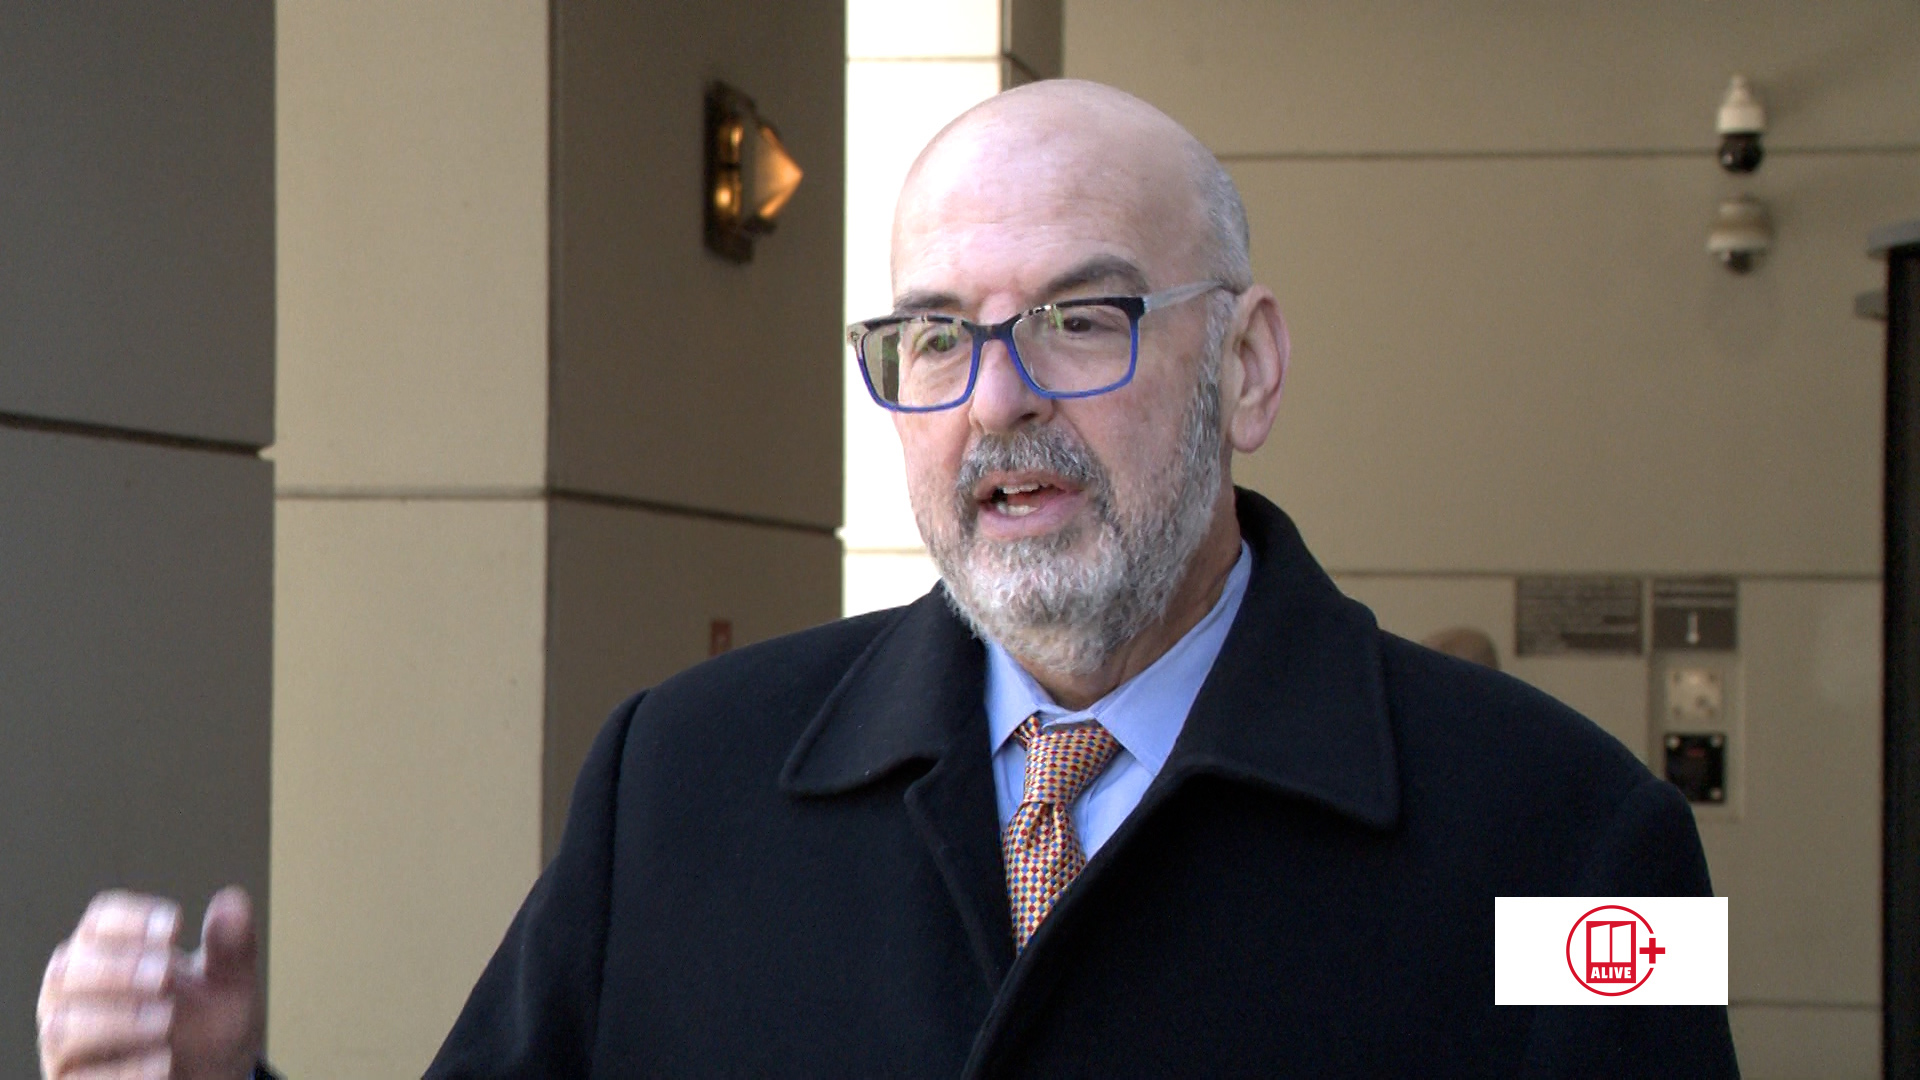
[1556, 615]
[1696, 613]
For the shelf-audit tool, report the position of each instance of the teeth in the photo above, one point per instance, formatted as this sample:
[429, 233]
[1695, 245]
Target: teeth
[1016, 511]
[1018, 489]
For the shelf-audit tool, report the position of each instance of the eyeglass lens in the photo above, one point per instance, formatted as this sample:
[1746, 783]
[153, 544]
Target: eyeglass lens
[925, 362]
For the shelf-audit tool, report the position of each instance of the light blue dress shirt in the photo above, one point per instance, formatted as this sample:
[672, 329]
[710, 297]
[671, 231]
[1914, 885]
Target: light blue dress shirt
[1145, 715]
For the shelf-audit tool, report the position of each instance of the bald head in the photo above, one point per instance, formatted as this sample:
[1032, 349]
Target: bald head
[1060, 146]
[1085, 531]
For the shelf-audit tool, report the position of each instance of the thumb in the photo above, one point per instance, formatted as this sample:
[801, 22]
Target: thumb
[228, 941]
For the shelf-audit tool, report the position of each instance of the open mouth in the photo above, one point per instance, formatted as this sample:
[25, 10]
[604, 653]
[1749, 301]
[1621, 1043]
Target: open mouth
[1021, 499]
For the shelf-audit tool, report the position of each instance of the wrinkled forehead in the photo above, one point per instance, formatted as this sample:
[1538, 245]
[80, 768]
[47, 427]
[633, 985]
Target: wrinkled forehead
[1011, 207]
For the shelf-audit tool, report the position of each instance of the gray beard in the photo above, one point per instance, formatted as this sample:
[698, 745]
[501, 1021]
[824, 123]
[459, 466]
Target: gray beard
[1065, 613]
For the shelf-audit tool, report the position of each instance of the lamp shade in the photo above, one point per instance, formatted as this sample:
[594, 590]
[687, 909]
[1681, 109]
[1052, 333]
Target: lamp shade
[750, 175]
[770, 173]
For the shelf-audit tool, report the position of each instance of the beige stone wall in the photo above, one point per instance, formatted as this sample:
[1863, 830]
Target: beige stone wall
[408, 734]
[409, 620]
[535, 440]
[694, 448]
[1486, 226]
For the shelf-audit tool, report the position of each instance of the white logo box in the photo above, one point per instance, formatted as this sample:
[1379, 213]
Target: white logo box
[1610, 950]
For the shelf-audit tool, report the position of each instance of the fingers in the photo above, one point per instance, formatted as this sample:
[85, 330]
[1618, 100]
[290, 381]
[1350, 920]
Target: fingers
[123, 947]
[104, 1007]
[94, 970]
[125, 919]
[228, 942]
[157, 1065]
[119, 1001]
[82, 1035]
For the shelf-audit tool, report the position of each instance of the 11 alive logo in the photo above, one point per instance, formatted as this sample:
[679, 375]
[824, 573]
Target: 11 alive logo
[1620, 950]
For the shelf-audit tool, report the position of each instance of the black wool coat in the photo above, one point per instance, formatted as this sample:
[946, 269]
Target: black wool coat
[786, 862]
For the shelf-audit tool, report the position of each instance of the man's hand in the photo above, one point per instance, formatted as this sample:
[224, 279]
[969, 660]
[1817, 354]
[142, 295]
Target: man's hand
[121, 1000]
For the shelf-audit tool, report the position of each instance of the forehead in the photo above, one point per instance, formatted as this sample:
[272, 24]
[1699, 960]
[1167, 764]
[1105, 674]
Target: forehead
[1001, 212]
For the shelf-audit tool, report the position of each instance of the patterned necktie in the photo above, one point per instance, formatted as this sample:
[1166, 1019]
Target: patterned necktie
[1042, 847]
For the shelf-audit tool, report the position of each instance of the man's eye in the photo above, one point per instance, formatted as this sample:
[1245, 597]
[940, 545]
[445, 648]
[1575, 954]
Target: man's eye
[1084, 321]
[935, 339]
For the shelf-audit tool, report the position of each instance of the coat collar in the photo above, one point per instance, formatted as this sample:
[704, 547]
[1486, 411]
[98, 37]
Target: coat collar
[916, 691]
[916, 695]
[1296, 701]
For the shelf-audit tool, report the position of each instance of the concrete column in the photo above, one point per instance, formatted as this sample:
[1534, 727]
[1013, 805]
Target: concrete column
[694, 464]
[537, 442]
[410, 620]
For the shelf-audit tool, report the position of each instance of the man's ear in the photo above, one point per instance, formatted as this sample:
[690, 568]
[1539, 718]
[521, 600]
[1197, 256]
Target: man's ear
[1253, 369]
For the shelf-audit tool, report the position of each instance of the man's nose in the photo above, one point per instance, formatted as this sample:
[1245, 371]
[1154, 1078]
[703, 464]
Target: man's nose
[1002, 401]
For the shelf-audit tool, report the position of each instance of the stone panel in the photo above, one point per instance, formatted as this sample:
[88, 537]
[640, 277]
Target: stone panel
[1391, 77]
[135, 608]
[137, 283]
[413, 245]
[680, 378]
[634, 597]
[1533, 365]
[408, 639]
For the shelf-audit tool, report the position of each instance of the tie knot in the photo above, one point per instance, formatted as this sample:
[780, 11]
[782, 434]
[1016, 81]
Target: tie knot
[1063, 760]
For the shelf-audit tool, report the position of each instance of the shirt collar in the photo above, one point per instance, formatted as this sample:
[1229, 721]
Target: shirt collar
[1145, 713]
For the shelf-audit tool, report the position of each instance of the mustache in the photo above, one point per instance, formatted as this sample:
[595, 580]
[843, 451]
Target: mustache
[1044, 449]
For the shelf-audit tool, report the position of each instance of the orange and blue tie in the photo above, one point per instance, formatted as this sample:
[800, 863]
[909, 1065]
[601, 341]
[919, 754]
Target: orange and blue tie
[1042, 846]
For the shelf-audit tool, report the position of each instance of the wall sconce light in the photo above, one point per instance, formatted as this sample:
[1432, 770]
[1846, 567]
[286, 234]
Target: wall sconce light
[1742, 232]
[1741, 122]
[750, 176]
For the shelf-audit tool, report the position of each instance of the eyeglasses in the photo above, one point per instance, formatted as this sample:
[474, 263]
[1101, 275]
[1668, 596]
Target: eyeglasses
[1068, 349]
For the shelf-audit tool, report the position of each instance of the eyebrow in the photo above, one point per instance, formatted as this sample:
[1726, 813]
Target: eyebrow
[919, 303]
[1111, 268]
[1097, 269]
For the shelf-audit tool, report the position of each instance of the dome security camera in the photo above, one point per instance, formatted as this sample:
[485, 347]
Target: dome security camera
[1741, 122]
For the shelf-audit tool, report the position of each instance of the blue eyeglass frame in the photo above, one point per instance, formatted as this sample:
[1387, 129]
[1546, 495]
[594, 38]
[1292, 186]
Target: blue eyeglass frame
[1136, 308]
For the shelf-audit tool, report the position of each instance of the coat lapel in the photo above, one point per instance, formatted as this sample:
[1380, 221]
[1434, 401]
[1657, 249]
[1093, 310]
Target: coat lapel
[916, 697]
[1296, 701]
[1295, 704]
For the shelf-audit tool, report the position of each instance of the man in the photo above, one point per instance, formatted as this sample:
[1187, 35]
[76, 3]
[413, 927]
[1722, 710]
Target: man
[1137, 792]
